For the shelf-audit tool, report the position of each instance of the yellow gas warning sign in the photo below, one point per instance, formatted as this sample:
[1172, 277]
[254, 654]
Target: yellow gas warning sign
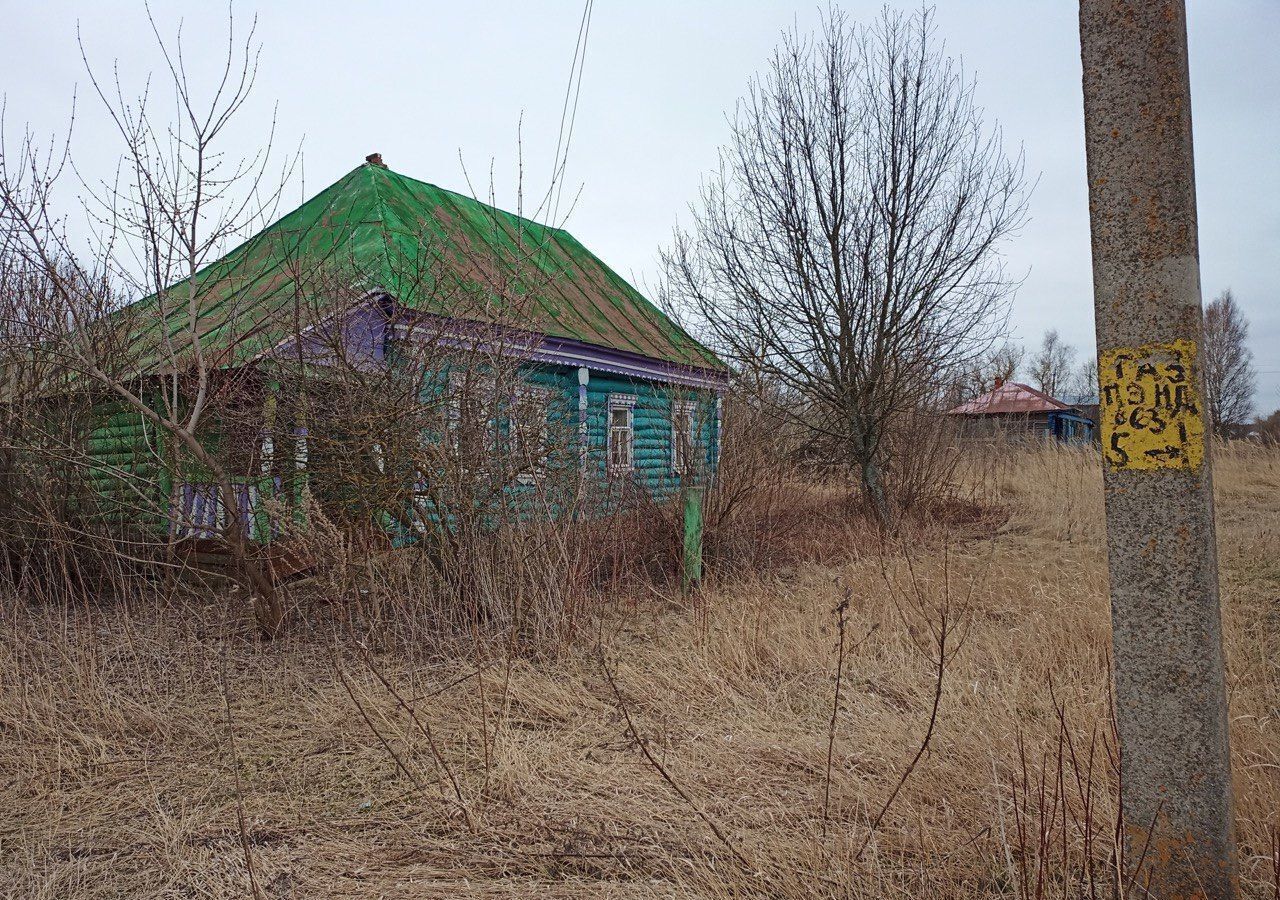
[1151, 413]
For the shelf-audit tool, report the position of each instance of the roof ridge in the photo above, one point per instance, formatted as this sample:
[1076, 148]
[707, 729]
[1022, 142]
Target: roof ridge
[1043, 395]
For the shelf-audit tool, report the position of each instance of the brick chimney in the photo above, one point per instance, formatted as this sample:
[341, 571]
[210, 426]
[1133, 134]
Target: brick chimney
[999, 382]
[375, 159]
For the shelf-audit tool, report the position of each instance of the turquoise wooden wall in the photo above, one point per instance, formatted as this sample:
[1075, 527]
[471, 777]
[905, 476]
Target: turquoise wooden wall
[127, 469]
[653, 461]
[653, 457]
[130, 460]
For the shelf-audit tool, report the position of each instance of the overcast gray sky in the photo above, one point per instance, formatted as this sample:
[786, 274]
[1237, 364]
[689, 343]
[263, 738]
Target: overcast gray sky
[423, 81]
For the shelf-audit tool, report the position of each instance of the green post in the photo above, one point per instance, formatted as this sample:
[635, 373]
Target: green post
[691, 560]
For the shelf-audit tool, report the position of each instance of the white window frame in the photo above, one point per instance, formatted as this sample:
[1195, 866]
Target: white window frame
[266, 453]
[685, 411]
[627, 433]
[453, 411]
[540, 398]
[420, 488]
[301, 452]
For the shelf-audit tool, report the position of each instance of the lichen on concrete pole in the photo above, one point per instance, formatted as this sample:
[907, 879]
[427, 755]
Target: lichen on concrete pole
[1170, 683]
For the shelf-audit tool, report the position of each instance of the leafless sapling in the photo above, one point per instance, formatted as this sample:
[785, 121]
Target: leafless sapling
[1228, 363]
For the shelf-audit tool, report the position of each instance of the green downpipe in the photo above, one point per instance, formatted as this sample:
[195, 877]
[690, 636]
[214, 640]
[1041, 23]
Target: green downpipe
[691, 559]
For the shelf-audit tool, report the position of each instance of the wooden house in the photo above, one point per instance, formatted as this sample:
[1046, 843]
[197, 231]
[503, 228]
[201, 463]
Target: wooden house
[356, 277]
[1019, 411]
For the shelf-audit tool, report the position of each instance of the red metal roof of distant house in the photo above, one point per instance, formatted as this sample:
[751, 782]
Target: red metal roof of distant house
[1007, 398]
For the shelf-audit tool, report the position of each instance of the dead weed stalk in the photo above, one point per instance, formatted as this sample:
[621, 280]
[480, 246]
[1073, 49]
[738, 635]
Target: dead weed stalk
[643, 744]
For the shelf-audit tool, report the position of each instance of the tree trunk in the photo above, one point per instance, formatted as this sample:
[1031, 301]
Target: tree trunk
[873, 490]
[268, 611]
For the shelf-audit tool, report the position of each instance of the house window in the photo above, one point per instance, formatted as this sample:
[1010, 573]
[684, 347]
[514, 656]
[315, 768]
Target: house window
[527, 433]
[683, 435]
[420, 483]
[266, 452]
[622, 433]
[453, 411]
[471, 427]
[301, 452]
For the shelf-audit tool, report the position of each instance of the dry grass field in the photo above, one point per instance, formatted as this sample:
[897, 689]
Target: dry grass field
[679, 750]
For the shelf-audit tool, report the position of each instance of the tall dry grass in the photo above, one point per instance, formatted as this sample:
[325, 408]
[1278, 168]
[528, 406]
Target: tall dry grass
[682, 750]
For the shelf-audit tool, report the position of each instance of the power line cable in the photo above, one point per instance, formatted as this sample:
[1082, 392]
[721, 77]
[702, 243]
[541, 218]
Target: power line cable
[573, 116]
[572, 91]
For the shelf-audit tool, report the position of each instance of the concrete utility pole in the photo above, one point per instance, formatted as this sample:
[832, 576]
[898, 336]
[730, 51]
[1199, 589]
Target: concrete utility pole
[1170, 683]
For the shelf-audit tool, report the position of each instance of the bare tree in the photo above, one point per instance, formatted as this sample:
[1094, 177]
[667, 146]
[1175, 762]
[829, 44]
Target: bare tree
[848, 246]
[1053, 366]
[176, 202]
[1005, 361]
[1227, 363]
[1083, 384]
[1000, 365]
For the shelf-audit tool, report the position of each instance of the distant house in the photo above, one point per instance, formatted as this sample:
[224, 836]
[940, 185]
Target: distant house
[1241, 431]
[1012, 409]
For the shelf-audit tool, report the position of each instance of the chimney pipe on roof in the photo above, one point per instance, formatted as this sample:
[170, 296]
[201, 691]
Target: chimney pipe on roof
[375, 159]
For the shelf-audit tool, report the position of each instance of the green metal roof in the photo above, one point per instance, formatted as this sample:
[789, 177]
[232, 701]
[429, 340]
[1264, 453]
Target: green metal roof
[431, 249]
